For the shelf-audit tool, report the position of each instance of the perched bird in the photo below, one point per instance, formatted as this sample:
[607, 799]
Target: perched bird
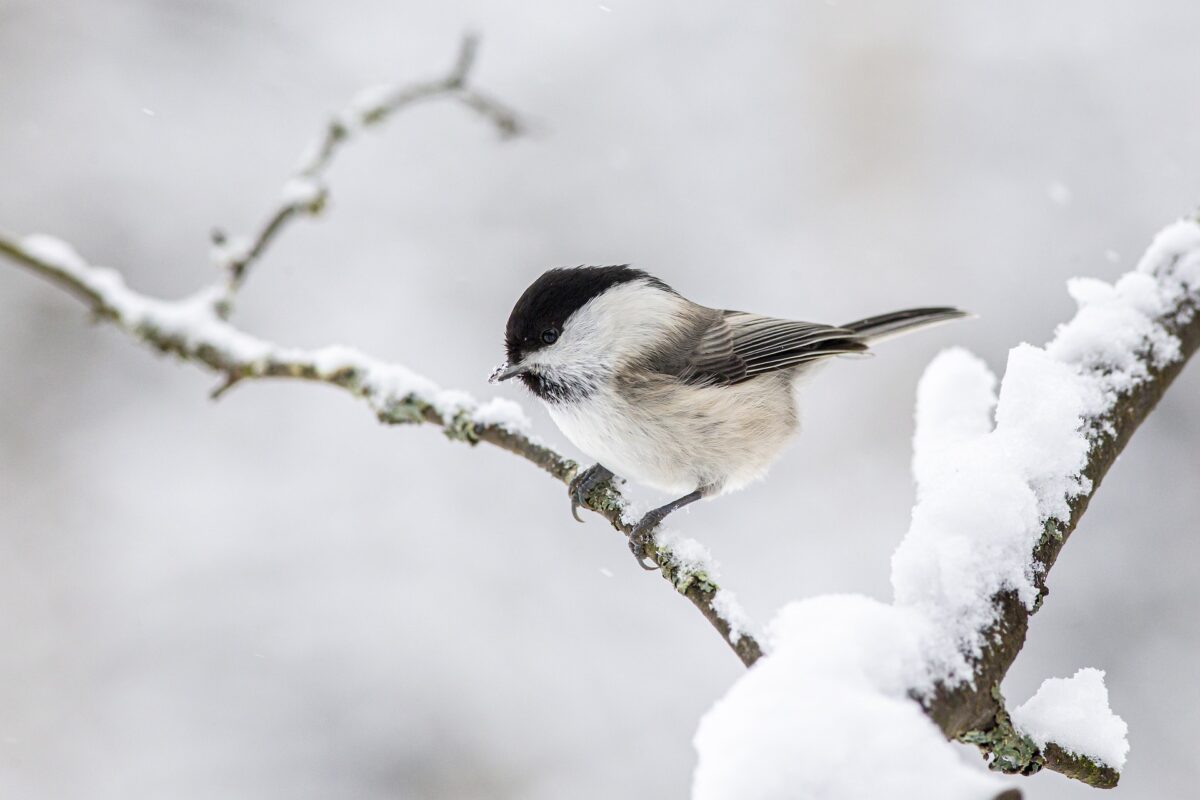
[665, 392]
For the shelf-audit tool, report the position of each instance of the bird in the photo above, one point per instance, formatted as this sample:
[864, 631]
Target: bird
[659, 390]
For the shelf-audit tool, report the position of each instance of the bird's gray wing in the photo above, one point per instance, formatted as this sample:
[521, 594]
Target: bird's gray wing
[737, 346]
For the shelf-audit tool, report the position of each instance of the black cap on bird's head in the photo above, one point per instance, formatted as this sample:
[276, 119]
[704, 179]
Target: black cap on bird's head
[538, 317]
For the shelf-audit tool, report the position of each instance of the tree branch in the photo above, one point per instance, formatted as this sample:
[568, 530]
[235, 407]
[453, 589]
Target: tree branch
[1001, 481]
[197, 329]
[975, 711]
[1012, 752]
[192, 330]
[306, 194]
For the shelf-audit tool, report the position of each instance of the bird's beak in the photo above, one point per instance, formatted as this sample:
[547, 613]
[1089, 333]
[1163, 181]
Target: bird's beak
[506, 371]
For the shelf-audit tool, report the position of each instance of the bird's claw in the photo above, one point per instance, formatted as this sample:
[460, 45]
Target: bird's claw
[641, 538]
[583, 485]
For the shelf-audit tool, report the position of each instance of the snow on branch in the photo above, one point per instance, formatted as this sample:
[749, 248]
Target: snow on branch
[1002, 481]
[1108, 367]
[1073, 713]
[197, 329]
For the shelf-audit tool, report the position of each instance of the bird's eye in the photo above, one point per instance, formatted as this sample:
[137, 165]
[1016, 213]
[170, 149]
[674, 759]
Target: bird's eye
[550, 335]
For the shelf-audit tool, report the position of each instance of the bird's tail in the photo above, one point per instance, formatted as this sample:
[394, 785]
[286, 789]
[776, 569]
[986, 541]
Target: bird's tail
[885, 326]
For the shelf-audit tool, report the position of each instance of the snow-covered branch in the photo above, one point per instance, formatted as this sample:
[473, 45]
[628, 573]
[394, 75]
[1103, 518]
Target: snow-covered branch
[197, 329]
[194, 330]
[1002, 482]
[1067, 412]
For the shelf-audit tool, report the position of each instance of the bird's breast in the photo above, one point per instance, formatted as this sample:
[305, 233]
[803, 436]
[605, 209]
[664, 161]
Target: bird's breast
[679, 438]
[625, 439]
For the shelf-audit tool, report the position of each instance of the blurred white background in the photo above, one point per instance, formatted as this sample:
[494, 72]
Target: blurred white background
[274, 597]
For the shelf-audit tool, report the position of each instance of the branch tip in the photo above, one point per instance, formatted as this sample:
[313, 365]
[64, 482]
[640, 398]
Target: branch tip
[467, 50]
[231, 380]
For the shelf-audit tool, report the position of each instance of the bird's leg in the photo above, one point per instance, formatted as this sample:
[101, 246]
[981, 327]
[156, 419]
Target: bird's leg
[583, 484]
[642, 534]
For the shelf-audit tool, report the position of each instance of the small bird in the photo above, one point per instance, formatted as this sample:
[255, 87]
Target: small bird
[668, 393]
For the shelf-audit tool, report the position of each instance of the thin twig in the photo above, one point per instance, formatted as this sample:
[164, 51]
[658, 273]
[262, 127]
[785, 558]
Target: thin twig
[305, 193]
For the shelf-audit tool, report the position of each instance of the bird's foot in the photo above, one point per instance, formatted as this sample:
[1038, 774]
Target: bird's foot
[583, 485]
[641, 539]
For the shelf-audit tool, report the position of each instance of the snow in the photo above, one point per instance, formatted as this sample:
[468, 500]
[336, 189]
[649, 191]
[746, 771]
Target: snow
[301, 192]
[826, 715]
[726, 604]
[689, 555]
[235, 249]
[55, 252]
[332, 359]
[371, 100]
[693, 559]
[193, 322]
[1174, 257]
[452, 402]
[385, 382]
[1074, 714]
[955, 402]
[309, 162]
[1115, 329]
[503, 413]
[495, 376]
[829, 712]
[1042, 424]
[985, 494]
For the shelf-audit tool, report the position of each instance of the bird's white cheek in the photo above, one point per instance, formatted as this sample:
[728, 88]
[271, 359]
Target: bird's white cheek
[570, 359]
